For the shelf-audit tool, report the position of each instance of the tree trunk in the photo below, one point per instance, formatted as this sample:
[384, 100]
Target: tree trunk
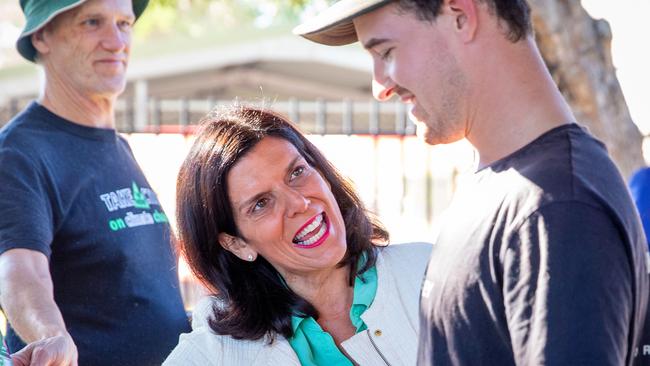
[577, 51]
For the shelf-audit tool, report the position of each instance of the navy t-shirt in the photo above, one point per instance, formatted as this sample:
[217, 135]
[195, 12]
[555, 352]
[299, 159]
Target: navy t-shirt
[540, 261]
[77, 195]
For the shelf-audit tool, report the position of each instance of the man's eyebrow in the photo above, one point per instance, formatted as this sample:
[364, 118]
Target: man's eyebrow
[373, 42]
[100, 15]
[85, 15]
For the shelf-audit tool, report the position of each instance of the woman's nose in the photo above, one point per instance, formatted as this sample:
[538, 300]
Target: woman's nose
[297, 203]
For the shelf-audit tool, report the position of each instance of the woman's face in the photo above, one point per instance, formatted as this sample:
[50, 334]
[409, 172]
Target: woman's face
[285, 210]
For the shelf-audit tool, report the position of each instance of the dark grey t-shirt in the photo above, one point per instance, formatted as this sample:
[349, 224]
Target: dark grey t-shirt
[541, 260]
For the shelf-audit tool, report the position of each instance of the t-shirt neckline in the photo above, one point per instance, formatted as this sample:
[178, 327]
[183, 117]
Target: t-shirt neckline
[56, 121]
[552, 131]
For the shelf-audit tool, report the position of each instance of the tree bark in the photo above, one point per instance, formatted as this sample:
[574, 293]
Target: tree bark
[577, 51]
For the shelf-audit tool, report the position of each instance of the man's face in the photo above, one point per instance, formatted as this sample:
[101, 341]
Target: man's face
[87, 48]
[412, 59]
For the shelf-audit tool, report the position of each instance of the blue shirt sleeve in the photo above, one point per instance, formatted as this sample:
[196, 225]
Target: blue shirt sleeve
[26, 211]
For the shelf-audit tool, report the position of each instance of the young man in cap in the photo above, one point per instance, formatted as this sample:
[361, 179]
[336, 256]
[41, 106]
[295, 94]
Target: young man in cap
[541, 259]
[85, 255]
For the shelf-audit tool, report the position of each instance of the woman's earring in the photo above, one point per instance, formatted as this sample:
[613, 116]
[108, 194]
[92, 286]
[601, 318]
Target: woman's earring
[250, 257]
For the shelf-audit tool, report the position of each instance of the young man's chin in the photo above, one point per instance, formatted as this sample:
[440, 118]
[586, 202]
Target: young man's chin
[421, 126]
[422, 131]
[433, 136]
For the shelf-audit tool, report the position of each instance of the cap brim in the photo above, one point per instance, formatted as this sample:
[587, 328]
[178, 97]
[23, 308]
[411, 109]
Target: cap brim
[34, 24]
[333, 26]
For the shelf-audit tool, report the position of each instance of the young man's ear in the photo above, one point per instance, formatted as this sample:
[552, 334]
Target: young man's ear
[38, 40]
[465, 15]
[238, 247]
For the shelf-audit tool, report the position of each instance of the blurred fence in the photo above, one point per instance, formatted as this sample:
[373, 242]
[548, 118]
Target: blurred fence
[320, 117]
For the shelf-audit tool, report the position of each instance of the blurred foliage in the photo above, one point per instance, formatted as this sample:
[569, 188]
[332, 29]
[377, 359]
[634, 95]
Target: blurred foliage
[196, 17]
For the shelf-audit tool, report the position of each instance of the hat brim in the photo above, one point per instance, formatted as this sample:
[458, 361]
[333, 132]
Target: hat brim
[333, 26]
[35, 23]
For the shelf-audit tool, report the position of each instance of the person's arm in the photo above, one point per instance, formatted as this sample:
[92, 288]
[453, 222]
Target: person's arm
[568, 288]
[26, 296]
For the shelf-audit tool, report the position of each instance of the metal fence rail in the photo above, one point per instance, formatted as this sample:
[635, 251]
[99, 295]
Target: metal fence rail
[321, 117]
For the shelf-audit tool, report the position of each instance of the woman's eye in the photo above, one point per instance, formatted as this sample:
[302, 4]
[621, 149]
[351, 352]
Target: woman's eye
[260, 204]
[297, 172]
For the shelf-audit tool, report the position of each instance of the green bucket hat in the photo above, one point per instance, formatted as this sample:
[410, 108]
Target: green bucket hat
[40, 12]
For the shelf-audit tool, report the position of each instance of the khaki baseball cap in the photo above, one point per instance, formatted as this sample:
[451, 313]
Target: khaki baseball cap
[40, 12]
[333, 26]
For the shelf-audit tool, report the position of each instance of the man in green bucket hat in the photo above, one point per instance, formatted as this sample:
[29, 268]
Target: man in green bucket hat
[40, 13]
[87, 271]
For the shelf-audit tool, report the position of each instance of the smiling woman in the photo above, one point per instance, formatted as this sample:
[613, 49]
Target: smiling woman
[294, 263]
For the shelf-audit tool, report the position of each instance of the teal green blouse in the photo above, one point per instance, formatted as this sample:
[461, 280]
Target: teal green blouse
[314, 346]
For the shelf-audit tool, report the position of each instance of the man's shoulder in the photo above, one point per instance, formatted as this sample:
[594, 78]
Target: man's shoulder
[564, 164]
[24, 130]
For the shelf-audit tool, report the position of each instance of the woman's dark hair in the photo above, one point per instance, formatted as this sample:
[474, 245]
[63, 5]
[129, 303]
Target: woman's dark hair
[515, 13]
[253, 299]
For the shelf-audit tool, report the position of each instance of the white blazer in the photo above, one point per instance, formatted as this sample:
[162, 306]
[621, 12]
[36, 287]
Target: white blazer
[392, 320]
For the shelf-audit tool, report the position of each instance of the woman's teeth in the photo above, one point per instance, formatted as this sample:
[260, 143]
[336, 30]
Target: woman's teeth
[318, 221]
[314, 238]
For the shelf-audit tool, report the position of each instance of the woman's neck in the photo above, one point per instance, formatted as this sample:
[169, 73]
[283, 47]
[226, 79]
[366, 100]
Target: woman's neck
[330, 293]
